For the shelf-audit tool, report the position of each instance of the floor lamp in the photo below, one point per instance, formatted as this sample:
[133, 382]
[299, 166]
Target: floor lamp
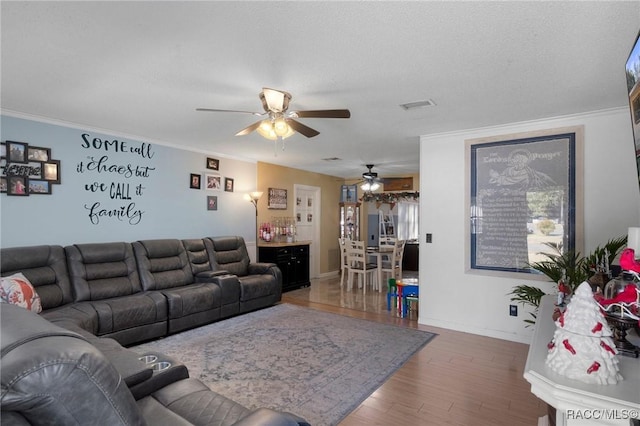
[254, 197]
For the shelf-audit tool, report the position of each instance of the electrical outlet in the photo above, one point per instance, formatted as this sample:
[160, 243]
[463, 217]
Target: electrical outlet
[429, 238]
[513, 310]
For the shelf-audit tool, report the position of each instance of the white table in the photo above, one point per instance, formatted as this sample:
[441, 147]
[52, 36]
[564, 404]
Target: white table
[579, 403]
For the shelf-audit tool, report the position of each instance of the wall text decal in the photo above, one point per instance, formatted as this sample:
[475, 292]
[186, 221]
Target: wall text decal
[116, 172]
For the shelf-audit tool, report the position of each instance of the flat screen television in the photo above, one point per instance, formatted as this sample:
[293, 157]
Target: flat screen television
[632, 68]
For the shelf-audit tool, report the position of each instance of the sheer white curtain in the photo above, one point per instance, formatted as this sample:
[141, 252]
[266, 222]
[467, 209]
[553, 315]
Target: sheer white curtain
[408, 219]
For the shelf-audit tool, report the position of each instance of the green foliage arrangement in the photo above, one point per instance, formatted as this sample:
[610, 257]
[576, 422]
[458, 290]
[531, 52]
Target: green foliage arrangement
[569, 266]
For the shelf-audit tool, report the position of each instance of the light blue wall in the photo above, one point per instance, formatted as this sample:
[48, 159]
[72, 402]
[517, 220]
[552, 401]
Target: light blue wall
[170, 209]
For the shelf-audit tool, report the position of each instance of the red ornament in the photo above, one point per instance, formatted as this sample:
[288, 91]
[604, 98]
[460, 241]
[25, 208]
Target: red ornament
[628, 260]
[607, 348]
[568, 346]
[597, 328]
[561, 319]
[551, 345]
[594, 367]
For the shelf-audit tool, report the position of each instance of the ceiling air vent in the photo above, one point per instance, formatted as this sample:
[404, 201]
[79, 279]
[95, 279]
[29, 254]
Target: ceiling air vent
[417, 104]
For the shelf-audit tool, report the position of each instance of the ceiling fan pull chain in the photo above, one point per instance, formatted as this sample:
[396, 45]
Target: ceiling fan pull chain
[282, 139]
[275, 147]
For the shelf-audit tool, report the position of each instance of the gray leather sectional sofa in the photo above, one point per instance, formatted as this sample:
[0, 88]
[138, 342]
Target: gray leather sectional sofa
[70, 365]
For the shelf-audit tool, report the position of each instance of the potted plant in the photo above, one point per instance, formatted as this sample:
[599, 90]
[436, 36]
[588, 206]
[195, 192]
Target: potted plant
[569, 267]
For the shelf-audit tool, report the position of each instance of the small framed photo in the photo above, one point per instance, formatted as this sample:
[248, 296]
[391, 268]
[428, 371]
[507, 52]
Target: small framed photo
[194, 181]
[51, 171]
[35, 153]
[228, 184]
[213, 182]
[3, 150]
[213, 163]
[16, 152]
[212, 202]
[39, 186]
[17, 185]
[3, 184]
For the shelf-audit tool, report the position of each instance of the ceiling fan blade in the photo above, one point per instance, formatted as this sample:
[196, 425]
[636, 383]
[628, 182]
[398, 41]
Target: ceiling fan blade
[302, 129]
[229, 110]
[249, 129]
[324, 113]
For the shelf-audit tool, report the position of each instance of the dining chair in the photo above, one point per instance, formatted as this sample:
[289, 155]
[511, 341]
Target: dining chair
[392, 293]
[357, 265]
[393, 264]
[342, 244]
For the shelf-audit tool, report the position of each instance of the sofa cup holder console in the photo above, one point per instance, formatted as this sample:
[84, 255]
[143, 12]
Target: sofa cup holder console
[160, 366]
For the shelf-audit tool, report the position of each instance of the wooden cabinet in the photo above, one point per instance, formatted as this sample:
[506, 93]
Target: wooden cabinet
[293, 261]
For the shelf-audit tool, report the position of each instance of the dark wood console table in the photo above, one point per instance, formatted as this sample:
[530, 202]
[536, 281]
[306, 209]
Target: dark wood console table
[291, 258]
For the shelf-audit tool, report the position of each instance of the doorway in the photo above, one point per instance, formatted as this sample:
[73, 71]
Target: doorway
[307, 212]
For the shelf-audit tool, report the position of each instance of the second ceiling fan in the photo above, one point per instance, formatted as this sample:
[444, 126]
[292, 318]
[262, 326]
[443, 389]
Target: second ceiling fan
[280, 121]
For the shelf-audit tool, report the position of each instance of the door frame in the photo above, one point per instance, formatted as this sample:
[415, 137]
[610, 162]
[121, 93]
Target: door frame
[314, 247]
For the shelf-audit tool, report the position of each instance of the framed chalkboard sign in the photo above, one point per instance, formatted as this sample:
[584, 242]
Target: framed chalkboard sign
[524, 193]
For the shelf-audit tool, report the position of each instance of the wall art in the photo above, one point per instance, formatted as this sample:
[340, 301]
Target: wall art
[277, 199]
[228, 184]
[213, 182]
[194, 181]
[212, 202]
[213, 163]
[27, 169]
[524, 192]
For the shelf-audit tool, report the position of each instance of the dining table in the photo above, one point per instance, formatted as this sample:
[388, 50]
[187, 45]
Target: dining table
[379, 252]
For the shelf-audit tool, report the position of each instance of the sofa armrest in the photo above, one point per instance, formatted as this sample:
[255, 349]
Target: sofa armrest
[260, 268]
[208, 276]
[268, 417]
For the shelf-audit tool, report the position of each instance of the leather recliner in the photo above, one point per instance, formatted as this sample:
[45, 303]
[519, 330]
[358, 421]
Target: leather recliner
[163, 266]
[260, 283]
[54, 376]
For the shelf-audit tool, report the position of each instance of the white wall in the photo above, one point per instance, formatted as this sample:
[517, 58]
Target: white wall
[479, 304]
[170, 208]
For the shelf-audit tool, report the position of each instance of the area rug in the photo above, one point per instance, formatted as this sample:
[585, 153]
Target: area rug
[317, 365]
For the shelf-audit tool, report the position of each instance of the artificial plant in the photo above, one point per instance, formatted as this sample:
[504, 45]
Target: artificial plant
[570, 267]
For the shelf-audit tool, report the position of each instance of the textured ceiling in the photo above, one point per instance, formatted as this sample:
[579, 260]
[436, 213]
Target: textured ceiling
[140, 69]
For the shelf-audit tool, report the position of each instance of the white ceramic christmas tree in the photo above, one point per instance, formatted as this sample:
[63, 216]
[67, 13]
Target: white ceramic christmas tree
[582, 347]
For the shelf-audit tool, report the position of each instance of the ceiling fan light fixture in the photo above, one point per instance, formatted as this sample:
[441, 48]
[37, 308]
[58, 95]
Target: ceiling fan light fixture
[266, 130]
[370, 186]
[280, 126]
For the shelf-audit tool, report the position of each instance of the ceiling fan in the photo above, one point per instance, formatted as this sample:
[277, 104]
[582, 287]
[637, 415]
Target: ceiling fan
[370, 182]
[281, 122]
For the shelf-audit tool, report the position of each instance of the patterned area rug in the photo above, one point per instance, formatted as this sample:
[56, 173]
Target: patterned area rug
[317, 365]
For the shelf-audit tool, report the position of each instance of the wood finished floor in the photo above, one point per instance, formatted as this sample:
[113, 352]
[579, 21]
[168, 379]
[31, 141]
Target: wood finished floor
[457, 379]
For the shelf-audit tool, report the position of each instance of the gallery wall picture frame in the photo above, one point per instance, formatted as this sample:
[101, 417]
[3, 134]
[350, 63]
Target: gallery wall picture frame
[3, 150]
[213, 163]
[51, 171]
[39, 186]
[212, 182]
[194, 181]
[16, 152]
[212, 202]
[36, 153]
[515, 182]
[17, 185]
[3, 184]
[228, 184]
[277, 199]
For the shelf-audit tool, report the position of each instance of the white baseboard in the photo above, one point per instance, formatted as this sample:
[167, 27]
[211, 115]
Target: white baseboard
[473, 330]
